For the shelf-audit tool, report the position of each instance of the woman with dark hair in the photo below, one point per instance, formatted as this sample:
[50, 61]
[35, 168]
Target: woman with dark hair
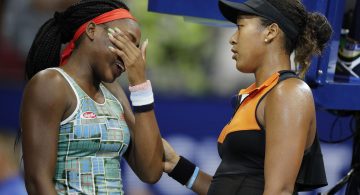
[76, 125]
[270, 145]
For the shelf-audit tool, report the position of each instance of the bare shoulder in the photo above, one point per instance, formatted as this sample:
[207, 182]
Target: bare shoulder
[47, 86]
[292, 96]
[289, 108]
[293, 90]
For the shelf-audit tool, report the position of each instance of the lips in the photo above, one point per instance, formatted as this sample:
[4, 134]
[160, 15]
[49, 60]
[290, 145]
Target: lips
[235, 54]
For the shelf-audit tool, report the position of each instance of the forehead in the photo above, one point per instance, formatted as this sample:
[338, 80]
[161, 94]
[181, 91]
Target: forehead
[248, 18]
[128, 26]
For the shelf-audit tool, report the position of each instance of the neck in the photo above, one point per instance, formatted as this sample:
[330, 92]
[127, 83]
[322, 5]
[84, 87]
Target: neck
[79, 67]
[272, 62]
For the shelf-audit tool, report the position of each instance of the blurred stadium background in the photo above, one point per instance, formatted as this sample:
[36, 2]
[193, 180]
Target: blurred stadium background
[193, 76]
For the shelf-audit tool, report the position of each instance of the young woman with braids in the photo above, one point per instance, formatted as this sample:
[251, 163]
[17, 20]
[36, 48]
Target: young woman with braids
[76, 125]
[270, 145]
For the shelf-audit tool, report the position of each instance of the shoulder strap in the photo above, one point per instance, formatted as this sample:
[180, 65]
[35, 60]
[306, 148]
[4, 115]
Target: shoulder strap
[285, 74]
[75, 89]
[109, 95]
[67, 77]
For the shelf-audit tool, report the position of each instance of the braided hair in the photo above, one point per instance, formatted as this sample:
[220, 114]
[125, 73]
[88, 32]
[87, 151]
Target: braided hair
[315, 31]
[45, 49]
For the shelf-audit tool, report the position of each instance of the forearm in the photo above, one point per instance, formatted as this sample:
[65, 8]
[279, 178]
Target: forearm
[185, 172]
[278, 186]
[202, 183]
[38, 186]
[283, 191]
[147, 150]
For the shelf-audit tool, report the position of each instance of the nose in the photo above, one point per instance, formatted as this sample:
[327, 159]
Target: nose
[232, 40]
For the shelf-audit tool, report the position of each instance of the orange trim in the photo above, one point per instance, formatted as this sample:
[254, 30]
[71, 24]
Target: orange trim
[103, 18]
[245, 117]
[266, 83]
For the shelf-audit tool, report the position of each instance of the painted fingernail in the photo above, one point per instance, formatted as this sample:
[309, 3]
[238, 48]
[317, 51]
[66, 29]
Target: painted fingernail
[111, 48]
[111, 30]
[110, 35]
[117, 30]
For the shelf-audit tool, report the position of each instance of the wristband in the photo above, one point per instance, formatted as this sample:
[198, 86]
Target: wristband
[183, 171]
[144, 108]
[141, 95]
[191, 182]
[139, 87]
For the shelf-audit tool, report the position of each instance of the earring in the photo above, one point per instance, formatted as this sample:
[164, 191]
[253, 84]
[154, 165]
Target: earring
[266, 40]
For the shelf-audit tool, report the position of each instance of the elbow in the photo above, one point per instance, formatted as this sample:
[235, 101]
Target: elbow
[37, 185]
[31, 185]
[151, 173]
[150, 180]
[151, 177]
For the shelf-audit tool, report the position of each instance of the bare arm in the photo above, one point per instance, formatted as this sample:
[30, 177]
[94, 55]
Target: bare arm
[203, 180]
[41, 112]
[145, 153]
[289, 113]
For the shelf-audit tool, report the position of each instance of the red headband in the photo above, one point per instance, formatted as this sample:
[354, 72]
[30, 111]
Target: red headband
[103, 18]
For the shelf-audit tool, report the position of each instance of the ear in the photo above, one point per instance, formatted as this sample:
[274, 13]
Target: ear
[272, 31]
[90, 30]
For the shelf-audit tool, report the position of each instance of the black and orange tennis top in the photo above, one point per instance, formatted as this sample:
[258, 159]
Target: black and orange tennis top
[241, 144]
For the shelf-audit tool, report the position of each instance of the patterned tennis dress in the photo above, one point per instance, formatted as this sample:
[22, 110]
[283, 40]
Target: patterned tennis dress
[91, 142]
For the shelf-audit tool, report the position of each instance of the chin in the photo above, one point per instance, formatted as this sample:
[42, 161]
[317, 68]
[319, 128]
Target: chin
[243, 69]
[111, 76]
[244, 65]
[240, 67]
[109, 79]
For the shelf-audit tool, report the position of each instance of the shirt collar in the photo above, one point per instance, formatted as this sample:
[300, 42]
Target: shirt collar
[265, 84]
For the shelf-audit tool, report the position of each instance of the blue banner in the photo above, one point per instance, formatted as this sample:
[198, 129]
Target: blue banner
[194, 8]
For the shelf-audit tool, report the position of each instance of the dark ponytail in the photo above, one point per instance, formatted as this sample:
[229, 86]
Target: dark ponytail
[315, 31]
[312, 40]
[45, 50]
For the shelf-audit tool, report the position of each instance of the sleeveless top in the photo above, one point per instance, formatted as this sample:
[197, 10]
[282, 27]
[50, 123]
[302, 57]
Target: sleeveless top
[91, 142]
[241, 144]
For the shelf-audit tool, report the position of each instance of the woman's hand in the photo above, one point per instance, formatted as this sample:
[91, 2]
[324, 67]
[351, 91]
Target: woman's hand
[134, 58]
[171, 157]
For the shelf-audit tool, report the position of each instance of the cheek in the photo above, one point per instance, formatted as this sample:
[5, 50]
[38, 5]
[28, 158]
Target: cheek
[103, 43]
[251, 39]
[104, 52]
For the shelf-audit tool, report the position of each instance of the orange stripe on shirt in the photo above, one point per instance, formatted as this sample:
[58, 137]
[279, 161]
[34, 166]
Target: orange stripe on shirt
[245, 117]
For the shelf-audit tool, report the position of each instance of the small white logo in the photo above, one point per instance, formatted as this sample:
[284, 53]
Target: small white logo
[88, 115]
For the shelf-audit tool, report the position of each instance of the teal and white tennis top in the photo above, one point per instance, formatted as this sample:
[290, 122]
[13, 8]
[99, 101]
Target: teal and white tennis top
[91, 142]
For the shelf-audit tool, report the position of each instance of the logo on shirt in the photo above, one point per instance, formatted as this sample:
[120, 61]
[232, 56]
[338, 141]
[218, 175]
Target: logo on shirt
[88, 115]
